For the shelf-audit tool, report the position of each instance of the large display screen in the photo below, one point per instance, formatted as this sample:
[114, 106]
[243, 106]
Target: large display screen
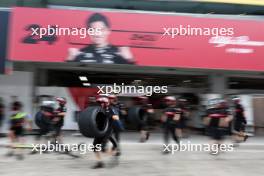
[146, 39]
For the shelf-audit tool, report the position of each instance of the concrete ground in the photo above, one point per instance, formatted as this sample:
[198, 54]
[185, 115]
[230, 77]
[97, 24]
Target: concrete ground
[141, 159]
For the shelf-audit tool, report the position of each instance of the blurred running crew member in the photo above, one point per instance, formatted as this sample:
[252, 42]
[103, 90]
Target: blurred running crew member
[117, 124]
[239, 121]
[170, 118]
[59, 117]
[143, 126]
[2, 110]
[44, 120]
[112, 116]
[181, 123]
[18, 122]
[218, 120]
[101, 51]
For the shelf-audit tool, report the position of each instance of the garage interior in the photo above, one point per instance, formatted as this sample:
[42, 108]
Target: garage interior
[188, 83]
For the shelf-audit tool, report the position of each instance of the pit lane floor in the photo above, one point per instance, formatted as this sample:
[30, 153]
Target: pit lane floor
[141, 159]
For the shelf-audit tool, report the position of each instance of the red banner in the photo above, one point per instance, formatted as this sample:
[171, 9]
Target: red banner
[145, 39]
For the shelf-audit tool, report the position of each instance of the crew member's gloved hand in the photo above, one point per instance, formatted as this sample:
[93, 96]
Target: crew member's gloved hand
[115, 117]
[47, 114]
[56, 119]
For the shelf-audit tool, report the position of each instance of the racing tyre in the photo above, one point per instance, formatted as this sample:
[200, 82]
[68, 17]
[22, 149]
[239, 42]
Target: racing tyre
[93, 122]
[137, 115]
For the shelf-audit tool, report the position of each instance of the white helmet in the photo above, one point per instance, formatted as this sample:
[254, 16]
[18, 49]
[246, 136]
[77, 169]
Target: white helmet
[169, 98]
[48, 103]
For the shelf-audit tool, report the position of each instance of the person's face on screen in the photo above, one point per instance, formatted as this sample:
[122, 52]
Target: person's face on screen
[100, 38]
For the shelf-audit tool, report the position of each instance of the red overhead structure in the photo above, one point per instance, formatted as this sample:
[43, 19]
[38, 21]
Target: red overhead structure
[143, 34]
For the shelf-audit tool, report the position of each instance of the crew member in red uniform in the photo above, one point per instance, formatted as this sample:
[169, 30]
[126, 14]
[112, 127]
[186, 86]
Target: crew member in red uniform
[219, 120]
[239, 121]
[143, 125]
[2, 110]
[58, 119]
[111, 115]
[170, 118]
[181, 124]
[118, 126]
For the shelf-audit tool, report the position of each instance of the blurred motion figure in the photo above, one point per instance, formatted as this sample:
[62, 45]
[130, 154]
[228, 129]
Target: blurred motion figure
[143, 125]
[117, 124]
[218, 119]
[171, 115]
[111, 115]
[58, 119]
[239, 121]
[2, 113]
[19, 120]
